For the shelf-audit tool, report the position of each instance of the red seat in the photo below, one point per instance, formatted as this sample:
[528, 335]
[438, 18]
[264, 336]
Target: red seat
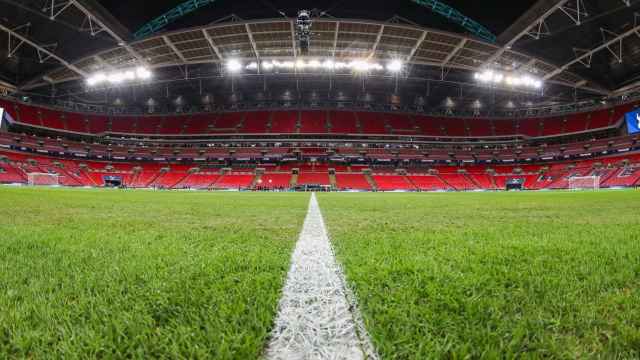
[343, 122]
[256, 122]
[352, 181]
[392, 182]
[372, 123]
[284, 122]
[309, 178]
[313, 122]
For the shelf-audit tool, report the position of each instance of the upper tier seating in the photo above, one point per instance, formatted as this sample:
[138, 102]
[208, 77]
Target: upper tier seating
[312, 122]
[227, 123]
[401, 124]
[480, 127]
[372, 123]
[455, 127]
[430, 126]
[343, 122]
[284, 122]
[552, 126]
[256, 122]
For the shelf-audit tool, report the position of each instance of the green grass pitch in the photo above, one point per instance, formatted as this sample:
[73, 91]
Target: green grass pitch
[491, 275]
[138, 274]
[143, 274]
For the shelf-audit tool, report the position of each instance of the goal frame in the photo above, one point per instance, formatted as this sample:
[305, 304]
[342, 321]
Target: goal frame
[584, 182]
[52, 179]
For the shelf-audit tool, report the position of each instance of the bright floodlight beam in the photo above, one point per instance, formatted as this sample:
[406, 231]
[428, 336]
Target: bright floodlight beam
[395, 66]
[234, 66]
[508, 79]
[118, 77]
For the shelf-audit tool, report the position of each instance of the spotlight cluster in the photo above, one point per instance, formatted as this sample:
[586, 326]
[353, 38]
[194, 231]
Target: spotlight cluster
[118, 77]
[359, 66]
[513, 80]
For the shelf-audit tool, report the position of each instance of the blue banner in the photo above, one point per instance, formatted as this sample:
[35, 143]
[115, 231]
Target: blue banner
[633, 122]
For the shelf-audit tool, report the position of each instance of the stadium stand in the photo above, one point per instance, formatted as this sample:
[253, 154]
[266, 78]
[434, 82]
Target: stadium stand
[313, 122]
[392, 182]
[352, 181]
[309, 122]
[313, 178]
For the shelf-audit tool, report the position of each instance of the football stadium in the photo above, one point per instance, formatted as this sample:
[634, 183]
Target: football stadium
[278, 179]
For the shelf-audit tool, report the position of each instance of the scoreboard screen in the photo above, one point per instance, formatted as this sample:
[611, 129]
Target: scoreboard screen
[633, 122]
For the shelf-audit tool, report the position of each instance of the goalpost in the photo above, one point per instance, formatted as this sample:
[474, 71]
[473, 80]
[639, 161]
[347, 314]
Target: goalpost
[584, 182]
[43, 179]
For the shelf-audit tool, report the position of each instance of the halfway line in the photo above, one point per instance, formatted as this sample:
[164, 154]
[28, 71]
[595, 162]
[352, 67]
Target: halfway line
[315, 318]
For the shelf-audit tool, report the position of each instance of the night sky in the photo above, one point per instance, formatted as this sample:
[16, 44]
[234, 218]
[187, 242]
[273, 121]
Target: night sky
[496, 15]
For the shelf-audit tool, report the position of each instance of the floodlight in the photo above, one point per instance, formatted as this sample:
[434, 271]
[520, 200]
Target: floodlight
[395, 66]
[267, 65]
[234, 66]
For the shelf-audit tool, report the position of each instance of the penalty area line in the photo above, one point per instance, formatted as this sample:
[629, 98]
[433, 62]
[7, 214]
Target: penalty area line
[317, 314]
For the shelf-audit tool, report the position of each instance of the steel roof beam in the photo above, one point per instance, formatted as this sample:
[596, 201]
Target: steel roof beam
[212, 44]
[455, 51]
[335, 39]
[588, 54]
[419, 42]
[293, 38]
[537, 22]
[377, 42]
[253, 42]
[93, 20]
[173, 47]
[42, 50]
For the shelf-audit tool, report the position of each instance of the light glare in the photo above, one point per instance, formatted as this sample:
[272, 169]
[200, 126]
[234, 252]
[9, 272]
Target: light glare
[234, 66]
[119, 77]
[511, 80]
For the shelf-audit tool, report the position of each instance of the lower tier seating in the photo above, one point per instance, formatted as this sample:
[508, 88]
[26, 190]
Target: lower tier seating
[16, 167]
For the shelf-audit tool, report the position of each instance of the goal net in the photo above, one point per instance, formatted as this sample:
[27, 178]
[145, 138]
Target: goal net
[584, 182]
[43, 179]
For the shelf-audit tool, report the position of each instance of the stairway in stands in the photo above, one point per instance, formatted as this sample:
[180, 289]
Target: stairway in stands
[294, 180]
[332, 180]
[367, 175]
[256, 179]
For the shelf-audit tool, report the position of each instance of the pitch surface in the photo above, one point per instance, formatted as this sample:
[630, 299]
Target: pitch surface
[138, 274]
[95, 273]
[493, 274]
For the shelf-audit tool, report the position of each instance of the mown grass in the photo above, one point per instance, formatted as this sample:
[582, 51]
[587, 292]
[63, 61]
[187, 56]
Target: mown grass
[136, 274]
[526, 275]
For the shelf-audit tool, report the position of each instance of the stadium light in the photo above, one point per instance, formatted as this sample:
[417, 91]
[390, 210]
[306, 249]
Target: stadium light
[358, 65]
[234, 66]
[508, 79]
[118, 77]
[395, 66]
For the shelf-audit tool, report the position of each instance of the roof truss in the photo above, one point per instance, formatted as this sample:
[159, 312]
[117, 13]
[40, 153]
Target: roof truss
[338, 38]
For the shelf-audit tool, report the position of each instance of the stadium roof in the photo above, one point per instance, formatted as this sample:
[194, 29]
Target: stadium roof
[582, 48]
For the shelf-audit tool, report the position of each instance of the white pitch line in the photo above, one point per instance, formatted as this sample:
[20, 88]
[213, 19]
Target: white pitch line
[316, 320]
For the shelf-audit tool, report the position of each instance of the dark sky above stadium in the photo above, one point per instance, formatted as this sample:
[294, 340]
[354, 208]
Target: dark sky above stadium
[496, 15]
